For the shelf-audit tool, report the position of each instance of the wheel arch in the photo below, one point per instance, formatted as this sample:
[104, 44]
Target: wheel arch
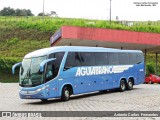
[131, 78]
[69, 85]
[123, 78]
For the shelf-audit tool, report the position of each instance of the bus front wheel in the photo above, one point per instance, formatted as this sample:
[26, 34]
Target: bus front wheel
[65, 94]
[122, 85]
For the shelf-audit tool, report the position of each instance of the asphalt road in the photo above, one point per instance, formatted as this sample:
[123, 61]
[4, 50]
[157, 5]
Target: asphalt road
[145, 97]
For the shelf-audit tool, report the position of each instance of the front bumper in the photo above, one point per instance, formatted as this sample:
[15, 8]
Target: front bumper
[33, 93]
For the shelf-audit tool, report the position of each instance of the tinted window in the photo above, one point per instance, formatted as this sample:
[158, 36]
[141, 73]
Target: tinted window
[132, 58]
[113, 59]
[87, 59]
[50, 71]
[53, 67]
[139, 58]
[101, 58]
[73, 59]
[78, 59]
[123, 59]
[70, 61]
[58, 60]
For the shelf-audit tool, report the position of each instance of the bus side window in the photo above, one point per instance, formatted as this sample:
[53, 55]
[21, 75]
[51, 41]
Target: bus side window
[113, 59]
[49, 72]
[87, 59]
[123, 59]
[53, 67]
[101, 58]
[132, 58]
[70, 61]
[78, 59]
[139, 57]
[59, 57]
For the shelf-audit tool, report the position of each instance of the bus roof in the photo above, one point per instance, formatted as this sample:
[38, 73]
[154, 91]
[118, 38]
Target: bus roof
[46, 51]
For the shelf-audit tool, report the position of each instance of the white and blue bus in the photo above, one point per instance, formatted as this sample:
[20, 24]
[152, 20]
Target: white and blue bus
[59, 72]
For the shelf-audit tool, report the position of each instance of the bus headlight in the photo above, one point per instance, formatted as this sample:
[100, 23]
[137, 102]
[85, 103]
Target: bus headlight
[40, 89]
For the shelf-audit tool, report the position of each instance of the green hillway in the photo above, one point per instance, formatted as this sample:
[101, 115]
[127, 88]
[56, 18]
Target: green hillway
[21, 35]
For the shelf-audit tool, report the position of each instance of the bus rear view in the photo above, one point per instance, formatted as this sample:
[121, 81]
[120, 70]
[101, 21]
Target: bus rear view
[60, 72]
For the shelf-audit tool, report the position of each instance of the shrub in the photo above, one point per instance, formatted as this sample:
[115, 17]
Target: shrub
[150, 69]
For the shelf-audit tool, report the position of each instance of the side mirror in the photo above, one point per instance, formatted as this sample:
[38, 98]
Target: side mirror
[44, 62]
[15, 66]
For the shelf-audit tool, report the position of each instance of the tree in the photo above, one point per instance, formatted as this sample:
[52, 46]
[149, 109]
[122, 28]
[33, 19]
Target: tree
[53, 14]
[150, 69]
[29, 13]
[40, 14]
[18, 12]
[45, 14]
[7, 11]
[23, 12]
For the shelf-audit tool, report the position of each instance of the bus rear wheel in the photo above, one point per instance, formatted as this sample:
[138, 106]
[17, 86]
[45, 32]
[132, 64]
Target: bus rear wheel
[130, 84]
[65, 94]
[122, 85]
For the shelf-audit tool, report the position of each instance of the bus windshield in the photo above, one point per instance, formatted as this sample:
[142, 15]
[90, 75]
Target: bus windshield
[29, 72]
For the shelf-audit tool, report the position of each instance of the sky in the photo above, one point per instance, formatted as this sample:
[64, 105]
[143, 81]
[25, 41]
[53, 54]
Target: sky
[92, 9]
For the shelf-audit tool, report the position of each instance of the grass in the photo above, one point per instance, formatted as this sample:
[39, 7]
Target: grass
[13, 51]
[8, 78]
[21, 35]
[19, 48]
[49, 24]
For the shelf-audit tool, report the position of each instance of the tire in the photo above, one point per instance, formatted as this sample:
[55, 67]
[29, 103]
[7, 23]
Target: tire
[65, 94]
[122, 86]
[152, 82]
[44, 100]
[130, 84]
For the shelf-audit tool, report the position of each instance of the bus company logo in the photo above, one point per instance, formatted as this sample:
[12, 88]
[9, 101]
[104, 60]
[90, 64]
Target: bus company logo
[99, 70]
